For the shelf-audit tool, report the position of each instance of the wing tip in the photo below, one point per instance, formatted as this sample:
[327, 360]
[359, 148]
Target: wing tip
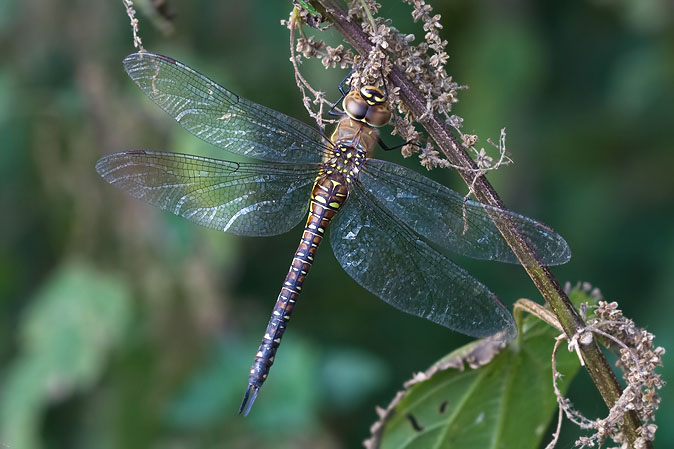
[133, 62]
[102, 164]
[508, 331]
[137, 55]
[561, 255]
[107, 163]
[507, 334]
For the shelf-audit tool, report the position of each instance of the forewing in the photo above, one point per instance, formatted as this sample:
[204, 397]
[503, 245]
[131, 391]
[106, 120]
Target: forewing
[387, 258]
[220, 117]
[241, 198]
[446, 218]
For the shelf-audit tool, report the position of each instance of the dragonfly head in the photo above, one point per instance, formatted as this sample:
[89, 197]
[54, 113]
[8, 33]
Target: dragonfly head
[368, 105]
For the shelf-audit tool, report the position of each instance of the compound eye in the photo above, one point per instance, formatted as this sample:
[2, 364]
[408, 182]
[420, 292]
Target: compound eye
[378, 116]
[355, 107]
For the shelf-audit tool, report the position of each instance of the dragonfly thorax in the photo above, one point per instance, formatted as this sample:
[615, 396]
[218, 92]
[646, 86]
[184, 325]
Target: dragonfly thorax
[345, 161]
[352, 143]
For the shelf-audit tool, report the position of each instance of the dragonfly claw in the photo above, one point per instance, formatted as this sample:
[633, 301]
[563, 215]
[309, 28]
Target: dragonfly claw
[246, 403]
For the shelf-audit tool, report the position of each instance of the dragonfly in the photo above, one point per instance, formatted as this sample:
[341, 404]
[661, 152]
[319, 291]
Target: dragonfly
[384, 218]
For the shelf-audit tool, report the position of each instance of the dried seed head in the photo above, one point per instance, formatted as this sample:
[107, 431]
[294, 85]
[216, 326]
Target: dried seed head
[638, 359]
[423, 64]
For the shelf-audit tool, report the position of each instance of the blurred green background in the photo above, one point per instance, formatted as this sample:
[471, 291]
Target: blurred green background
[125, 327]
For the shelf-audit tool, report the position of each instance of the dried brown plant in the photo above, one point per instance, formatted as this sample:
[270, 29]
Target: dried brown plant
[423, 64]
[638, 359]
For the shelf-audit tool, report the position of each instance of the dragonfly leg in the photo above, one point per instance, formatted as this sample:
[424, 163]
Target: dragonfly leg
[344, 92]
[388, 148]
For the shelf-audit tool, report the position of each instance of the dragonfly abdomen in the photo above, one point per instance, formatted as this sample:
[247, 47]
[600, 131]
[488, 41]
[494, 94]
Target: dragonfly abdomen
[328, 195]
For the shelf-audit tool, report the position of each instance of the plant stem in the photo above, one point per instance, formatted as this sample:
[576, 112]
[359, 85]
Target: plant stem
[600, 372]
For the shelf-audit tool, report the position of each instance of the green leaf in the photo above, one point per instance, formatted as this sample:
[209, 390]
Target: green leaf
[308, 7]
[67, 333]
[500, 400]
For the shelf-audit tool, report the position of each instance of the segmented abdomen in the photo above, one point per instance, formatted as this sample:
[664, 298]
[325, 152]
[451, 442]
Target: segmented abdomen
[328, 195]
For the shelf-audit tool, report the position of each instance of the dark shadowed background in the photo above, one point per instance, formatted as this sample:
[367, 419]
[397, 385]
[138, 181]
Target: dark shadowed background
[122, 326]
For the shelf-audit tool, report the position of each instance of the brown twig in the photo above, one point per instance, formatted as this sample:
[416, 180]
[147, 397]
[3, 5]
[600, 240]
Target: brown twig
[131, 12]
[597, 366]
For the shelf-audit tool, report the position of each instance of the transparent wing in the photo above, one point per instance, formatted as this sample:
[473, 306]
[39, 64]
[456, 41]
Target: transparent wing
[444, 217]
[241, 198]
[387, 258]
[220, 117]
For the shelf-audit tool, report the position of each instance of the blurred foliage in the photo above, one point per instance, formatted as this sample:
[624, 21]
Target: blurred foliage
[75, 320]
[160, 319]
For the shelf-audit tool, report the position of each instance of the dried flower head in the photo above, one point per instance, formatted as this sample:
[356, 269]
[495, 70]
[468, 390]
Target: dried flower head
[638, 359]
[424, 65]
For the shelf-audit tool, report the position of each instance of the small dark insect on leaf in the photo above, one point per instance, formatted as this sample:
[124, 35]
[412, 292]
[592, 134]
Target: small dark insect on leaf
[314, 18]
[415, 424]
[443, 407]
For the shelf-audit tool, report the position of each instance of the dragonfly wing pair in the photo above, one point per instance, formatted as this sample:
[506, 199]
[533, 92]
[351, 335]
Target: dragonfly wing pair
[377, 240]
[376, 236]
[373, 245]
